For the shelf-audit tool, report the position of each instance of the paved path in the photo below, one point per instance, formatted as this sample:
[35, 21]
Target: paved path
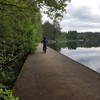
[53, 76]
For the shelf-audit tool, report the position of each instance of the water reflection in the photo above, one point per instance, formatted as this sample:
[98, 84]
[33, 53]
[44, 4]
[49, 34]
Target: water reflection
[72, 45]
[86, 53]
[87, 56]
[76, 44]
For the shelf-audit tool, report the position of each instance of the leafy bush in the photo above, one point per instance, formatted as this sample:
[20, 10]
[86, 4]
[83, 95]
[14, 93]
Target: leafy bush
[19, 34]
[7, 77]
[7, 95]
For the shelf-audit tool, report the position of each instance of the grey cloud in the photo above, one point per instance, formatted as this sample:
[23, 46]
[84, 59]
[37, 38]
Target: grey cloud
[84, 13]
[81, 18]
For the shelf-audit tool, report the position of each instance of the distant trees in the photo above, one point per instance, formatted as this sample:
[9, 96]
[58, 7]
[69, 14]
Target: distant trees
[90, 36]
[51, 31]
[85, 36]
[72, 35]
[74, 39]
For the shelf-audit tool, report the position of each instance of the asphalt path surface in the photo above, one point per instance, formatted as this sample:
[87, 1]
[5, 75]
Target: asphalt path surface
[52, 76]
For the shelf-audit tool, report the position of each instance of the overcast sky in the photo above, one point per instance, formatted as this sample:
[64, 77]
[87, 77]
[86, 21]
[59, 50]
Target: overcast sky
[82, 15]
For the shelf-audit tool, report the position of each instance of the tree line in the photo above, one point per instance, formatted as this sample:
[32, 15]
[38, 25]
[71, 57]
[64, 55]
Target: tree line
[70, 39]
[84, 36]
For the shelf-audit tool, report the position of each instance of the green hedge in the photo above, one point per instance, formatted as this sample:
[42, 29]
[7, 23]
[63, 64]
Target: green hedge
[19, 34]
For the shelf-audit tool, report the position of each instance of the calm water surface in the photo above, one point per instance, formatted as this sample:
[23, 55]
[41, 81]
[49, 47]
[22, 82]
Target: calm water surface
[86, 56]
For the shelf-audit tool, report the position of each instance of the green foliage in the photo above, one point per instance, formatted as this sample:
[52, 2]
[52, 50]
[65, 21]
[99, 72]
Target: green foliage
[84, 36]
[60, 41]
[72, 35]
[2, 86]
[20, 29]
[54, 8]
[76, 39]
[7, 95]
[51, 31]
[7, 77]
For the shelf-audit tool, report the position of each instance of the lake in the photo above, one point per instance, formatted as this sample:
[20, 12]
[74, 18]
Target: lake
[86, 56]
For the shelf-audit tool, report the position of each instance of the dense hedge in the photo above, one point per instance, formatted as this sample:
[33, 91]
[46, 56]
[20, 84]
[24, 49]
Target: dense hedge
[19, 34]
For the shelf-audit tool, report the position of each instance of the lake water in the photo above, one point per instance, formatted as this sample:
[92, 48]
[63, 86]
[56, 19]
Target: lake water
[86, 56]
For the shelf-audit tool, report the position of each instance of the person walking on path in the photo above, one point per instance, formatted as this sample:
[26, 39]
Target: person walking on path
[45, 42]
